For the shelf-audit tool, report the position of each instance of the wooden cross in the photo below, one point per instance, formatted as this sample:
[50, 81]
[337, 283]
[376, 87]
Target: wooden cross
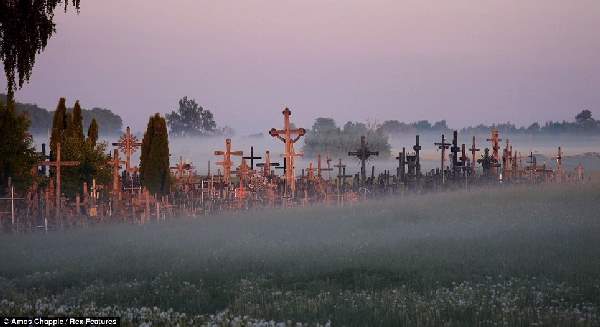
[12, 204]
[128, 144]
[58, 164]
[182, 168]
[243, 172]
[455, 149]
[363, 153]
[116, 164]
[227, 163]
[320, 169]
[288, 136]
[473, 150]
[495, 139]
[267, 164]
[251, 158]
[341, 173]
[463, 157]
[443, 146]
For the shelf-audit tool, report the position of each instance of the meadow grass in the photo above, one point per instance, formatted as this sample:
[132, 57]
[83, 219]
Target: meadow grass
[516, 256]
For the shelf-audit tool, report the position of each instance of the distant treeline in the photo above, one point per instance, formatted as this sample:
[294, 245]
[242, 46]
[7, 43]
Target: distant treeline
[326, 138]
[583, 124]
[41, 118]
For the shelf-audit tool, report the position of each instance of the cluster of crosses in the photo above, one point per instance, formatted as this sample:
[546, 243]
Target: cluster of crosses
[244, 185]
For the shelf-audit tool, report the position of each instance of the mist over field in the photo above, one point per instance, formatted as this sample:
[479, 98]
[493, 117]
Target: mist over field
[200, 150]
[513, 256]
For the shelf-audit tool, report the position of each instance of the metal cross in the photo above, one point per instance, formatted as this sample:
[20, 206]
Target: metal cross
[363, 153]
[251, 157]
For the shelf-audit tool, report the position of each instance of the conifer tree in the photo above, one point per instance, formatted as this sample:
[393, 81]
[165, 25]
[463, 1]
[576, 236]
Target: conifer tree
[92, 134]
[59, 125]
[76, 128]
[17, 154]
[154, 165]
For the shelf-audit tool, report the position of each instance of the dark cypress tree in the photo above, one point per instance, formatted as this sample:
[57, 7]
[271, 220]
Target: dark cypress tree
[92, 134]
[154, 165]
[76, 127]
[59, 125]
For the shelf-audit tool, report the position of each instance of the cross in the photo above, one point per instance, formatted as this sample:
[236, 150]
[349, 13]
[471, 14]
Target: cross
[251, 157]
[454, 150]
[288, 136]
[401, 164]
[341, 173]
[284, 167]
[227, 163]
[321, 169]
[182, 167]
[463, 157]
[443, 146]
[243, 172]
[417, 149]
[363, 153]
[267, 164]
[58, 164]
[495, 139]
[12, 203]
[116, 164]
[128, 144]
[558, 158]
[473, 150]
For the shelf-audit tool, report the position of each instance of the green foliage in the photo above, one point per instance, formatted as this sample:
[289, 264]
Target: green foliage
[17, 155]
[76, 128]
[326, 138]
[59, 125]
[154, 160]
[68, 130]
[92, 134]
[191, 120]
[25, 28]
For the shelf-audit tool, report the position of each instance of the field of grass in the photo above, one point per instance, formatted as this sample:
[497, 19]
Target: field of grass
[510, 257]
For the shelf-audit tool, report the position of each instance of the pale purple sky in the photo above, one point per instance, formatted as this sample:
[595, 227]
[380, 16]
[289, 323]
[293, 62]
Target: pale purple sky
[464, 61]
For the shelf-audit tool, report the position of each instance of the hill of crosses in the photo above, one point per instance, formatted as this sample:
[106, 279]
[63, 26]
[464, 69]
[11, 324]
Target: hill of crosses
[243, 180]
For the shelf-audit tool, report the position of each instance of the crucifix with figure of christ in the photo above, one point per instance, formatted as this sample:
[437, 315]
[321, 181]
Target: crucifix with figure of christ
[58, 164]
[227, 163]
[289, 136]
[363, 153]
[128, 144]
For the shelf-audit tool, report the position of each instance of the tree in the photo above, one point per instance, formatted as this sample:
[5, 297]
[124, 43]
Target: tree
[17, 154]
[583, 117]
[92, 134]
[190, 119]
[59, 125]
[154, 160]
[76, 127]
[25, 28]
